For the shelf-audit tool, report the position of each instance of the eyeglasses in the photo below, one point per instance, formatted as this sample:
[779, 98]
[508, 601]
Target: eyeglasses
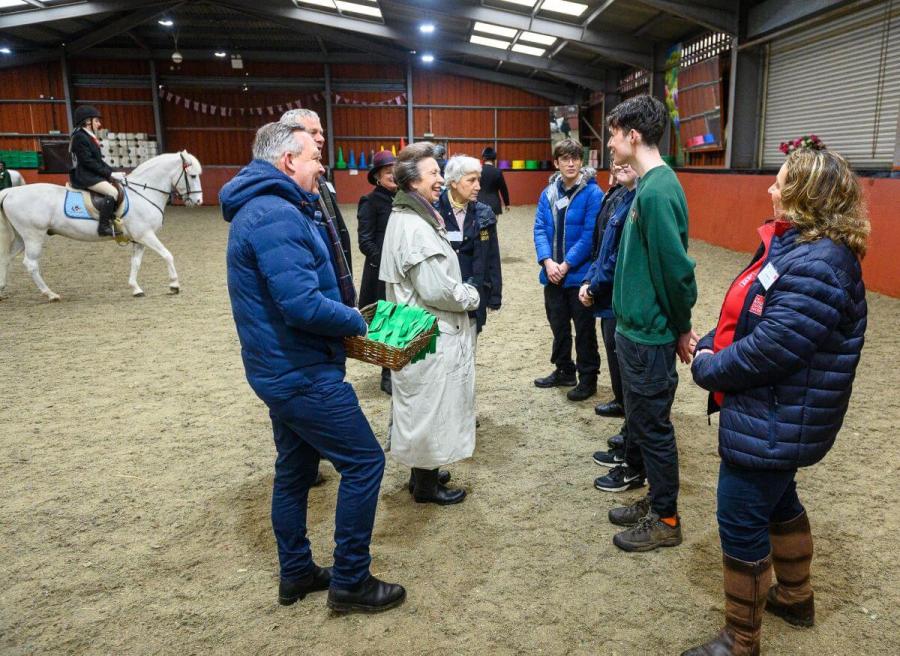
[568, 159]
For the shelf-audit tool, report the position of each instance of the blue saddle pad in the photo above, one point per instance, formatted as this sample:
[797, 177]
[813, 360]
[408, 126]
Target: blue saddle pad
[75, 209]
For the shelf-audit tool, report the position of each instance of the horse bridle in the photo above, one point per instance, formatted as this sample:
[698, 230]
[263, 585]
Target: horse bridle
[185, 165]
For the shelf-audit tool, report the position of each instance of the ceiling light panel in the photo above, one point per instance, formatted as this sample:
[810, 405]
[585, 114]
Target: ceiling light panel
[328, 4]
[564, 7]
[491, 43]
[355, 8]
[534, 37]
[523, 3]
[496, 30]
[11, 3]
[529, 50]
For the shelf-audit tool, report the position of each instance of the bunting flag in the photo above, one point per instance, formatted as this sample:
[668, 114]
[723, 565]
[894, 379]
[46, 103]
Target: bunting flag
[223, 110]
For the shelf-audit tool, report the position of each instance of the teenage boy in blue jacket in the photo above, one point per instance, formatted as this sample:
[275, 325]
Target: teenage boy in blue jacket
[293, 302]
[563, 233]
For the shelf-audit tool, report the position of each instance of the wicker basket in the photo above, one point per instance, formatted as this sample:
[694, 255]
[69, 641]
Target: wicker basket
[368, 350]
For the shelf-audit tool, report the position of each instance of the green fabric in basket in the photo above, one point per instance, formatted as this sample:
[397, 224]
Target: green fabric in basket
[398, 325]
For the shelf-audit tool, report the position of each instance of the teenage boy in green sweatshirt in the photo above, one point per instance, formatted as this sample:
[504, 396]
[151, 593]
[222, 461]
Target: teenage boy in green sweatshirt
[653, 293]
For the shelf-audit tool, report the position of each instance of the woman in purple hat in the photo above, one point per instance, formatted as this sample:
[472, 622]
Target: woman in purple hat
[373, 213]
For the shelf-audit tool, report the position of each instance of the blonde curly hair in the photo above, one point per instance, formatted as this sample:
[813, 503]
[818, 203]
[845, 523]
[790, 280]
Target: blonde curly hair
[822, 197]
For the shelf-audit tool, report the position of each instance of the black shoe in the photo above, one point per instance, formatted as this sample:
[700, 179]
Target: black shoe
[290, 592]
[630, 515]
[585, 389]
[621, 478]
[428, 489]
[443, 478]
[370, 596]
[611, 458]
[386, 386]
[616, 441]
[557, 379]
[611, 409]
[104, 228]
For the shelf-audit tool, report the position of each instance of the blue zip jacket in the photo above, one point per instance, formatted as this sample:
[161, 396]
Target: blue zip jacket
[284, 294]
[788, 375]
[602, 271]
[576, 220]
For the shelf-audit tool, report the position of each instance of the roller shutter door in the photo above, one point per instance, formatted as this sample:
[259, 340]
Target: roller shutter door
[841, 81]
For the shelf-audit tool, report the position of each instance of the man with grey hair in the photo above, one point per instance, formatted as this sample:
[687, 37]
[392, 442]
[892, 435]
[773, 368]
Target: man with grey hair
[293, 303]
[309, 121]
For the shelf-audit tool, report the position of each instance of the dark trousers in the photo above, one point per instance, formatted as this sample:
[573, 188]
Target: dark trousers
[748, 500]
[564, 309]
[649, 381]
[608, 331]
[325, 423]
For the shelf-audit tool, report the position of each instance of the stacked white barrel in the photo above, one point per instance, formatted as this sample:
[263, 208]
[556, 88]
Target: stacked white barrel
[126, 150]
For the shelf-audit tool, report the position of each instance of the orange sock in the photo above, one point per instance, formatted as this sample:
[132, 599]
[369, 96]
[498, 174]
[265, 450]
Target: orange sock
[671, 521]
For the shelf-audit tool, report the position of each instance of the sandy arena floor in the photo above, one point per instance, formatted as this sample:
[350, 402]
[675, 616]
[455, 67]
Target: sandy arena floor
[137, 466]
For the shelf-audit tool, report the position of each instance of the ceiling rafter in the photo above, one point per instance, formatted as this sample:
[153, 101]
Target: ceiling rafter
[119, 26]
[718, 18]
[37, 16]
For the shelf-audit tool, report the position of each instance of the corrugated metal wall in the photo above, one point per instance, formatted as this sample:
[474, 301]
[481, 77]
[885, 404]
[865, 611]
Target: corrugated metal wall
[225, 140]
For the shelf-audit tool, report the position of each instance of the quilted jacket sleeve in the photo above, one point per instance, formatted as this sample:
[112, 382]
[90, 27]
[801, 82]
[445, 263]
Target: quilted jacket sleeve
[801, 310]
[543, 229]
[284, 251]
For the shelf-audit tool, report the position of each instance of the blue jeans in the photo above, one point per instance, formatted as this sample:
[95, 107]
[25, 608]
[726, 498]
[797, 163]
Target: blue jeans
[748, 500]
[325, 423]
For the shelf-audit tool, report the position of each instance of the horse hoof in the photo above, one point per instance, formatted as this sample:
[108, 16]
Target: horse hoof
[138, 294]
[53, 298]
[174, 290]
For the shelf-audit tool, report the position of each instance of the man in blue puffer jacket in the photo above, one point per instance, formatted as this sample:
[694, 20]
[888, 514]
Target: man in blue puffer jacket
[293, 303]
[563, 234]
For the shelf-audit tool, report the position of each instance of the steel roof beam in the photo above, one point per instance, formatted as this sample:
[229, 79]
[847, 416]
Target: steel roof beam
[28, 17]
[118, 26]
[718, 18]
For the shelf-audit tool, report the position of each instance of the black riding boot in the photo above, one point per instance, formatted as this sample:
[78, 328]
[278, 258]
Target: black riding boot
[429, 490]
[107, 210]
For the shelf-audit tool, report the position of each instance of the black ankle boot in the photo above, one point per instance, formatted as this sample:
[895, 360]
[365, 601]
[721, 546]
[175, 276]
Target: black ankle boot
[443, 478]
[370, 596]
[292, 591]
[585, 389]
[428, 489]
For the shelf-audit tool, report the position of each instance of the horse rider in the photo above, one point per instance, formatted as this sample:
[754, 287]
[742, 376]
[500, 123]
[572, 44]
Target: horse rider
[89, 170]
[5, 177]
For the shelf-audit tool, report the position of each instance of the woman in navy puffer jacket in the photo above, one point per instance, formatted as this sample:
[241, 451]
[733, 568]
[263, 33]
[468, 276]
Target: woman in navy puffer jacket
[780, 367]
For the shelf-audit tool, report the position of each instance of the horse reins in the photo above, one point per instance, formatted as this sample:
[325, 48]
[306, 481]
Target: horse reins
[187, 190]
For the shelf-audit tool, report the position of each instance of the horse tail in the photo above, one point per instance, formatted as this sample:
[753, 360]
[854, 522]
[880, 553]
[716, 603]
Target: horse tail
[10, 241]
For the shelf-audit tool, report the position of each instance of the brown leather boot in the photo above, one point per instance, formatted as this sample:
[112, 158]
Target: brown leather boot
[745, 595]
[791, 598]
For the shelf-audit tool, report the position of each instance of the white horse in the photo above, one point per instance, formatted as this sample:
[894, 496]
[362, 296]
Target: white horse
[16, 178]
[28, 214]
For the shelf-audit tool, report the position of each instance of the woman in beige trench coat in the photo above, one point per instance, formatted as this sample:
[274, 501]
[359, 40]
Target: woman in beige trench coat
[433, 400]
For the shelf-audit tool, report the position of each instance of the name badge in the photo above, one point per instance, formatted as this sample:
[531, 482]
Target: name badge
[454, 235]
[330, 187]
[768, 276]
[562, 203]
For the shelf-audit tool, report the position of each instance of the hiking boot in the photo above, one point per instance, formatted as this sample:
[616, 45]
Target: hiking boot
[557, 379]
[630, 515]
[648, 534]
[617, 441]
[585, 389]
[290, 592]
[621, 478]
[610, 409]
[611, 458]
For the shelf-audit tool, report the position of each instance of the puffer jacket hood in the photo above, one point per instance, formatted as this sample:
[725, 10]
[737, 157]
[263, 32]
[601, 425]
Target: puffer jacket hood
[259, 178]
